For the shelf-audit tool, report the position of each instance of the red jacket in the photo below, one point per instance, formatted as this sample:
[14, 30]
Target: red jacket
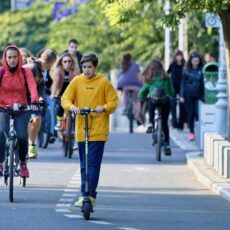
[13, 87]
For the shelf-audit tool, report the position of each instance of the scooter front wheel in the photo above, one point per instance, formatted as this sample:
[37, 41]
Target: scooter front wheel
[86, 210]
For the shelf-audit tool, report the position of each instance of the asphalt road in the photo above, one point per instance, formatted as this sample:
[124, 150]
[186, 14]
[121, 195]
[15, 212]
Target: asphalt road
[135, 192]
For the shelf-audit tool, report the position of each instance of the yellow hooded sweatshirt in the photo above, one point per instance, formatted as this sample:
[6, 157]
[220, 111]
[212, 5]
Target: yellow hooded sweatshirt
[93, 92]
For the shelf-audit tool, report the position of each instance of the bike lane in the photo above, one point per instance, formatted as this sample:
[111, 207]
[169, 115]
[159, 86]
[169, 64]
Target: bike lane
[135, 192]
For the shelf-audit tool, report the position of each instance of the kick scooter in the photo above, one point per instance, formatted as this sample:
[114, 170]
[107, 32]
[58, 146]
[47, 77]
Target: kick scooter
[87, 206]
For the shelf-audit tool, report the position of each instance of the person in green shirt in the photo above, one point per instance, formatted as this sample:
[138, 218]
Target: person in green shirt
[155, 77]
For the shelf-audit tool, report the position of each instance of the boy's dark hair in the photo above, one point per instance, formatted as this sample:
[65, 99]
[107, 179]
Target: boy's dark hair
[75, 41]
[90, 57]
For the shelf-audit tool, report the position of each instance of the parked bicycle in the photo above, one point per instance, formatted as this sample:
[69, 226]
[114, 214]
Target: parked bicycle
[11, 163]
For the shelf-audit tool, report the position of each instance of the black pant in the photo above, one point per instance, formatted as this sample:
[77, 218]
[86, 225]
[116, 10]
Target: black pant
[60, 110]
[191, 105]
[165, 110]
[178, 122]
[21, 123]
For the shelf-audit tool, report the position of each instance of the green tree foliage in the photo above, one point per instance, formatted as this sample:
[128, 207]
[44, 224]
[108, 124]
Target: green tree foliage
[26, 27]
[92, 29]
[34, 29]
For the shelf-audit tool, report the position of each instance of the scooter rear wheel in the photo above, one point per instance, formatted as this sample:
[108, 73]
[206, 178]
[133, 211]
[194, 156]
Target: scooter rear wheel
[86, 210]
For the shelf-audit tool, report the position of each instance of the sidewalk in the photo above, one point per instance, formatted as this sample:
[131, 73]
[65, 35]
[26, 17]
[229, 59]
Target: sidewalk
[203, 172]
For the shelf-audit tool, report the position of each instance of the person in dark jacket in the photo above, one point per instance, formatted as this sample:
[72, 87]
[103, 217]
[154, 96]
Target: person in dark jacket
[175, 71]
[192, 89]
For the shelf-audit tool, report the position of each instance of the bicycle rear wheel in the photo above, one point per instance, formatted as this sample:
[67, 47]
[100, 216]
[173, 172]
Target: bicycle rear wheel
[159, 139]
[11, 171]
[130, 115]
[44, 132]
[70, 135]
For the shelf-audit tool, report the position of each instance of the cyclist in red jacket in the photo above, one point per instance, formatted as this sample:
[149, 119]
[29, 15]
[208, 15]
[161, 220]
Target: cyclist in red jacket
[15, 82]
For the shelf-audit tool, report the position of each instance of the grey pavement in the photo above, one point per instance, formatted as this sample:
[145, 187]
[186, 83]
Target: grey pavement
[196, 162]
[135, 192]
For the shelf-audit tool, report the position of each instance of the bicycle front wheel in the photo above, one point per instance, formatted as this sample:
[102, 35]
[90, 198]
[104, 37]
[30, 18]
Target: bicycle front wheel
[11, 184]
[159, 139]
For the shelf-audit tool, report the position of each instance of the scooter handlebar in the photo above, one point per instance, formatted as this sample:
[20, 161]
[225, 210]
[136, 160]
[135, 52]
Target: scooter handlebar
[87, 110]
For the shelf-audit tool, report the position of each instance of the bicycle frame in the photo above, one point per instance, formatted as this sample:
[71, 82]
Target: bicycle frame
[66, 133]
[11, 138]
[11, 153]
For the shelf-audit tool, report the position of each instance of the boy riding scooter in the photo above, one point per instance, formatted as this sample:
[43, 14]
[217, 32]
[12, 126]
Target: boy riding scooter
[94, 91]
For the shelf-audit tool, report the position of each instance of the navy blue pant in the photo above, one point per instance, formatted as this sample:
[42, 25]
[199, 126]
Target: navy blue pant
[191, 105]
[21, 126]
[96, 149]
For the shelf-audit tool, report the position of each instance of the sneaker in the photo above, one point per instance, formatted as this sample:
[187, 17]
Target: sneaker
[58, 125]
[33, 151]
[149, 128]
[79, 202]
[1, 169]
[24, 172]
[75, 146]
[52, 139]
[191, 137]
[167, 150]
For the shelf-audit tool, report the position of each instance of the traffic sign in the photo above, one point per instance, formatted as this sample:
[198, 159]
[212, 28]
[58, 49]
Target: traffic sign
[212, 20]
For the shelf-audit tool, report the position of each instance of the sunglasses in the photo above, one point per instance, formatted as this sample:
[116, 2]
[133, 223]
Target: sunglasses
[67, 61]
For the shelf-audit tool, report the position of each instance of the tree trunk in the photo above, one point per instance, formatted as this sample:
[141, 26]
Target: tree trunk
[225, 19]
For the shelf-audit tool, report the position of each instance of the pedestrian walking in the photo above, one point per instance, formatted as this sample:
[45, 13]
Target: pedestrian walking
[192, 90]
[175, 72]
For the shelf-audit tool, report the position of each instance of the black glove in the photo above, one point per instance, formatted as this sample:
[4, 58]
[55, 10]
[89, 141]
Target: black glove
[34, 106]
[42, 103]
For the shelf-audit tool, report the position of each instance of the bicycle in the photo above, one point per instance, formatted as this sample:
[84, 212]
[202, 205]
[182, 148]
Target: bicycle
[130, 108]
[11, 154]
[44, 132]
[66, 134]
[159, 98]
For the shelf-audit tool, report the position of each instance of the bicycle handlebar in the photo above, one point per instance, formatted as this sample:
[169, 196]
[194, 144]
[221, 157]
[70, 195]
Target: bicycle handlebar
[17, 108]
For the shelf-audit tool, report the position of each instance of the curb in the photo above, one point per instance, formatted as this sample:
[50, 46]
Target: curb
[217, 184]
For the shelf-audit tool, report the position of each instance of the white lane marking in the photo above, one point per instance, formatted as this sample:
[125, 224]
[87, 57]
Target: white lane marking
[63, 205]
[62, 210]
[74, 182]
[73, 216]
[100, 222]
[71, 190]
[69, 195]
[126, 228]
[66, 200]
[72, 186]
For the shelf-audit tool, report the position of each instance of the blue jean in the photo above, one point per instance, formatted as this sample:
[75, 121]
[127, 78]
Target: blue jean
[51, 104]
[21, 125]
[96, 149]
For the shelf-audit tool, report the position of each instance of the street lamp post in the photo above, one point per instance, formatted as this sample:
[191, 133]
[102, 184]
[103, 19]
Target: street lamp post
[13, 5]
[168, 37]
[221, 104]
[183, 36]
